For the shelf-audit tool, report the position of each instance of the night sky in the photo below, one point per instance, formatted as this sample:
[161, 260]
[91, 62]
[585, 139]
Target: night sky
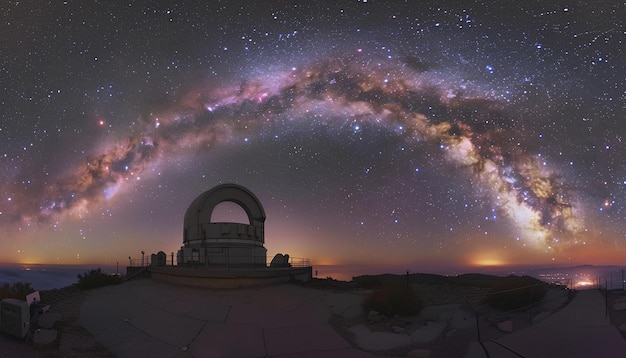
[426, 134]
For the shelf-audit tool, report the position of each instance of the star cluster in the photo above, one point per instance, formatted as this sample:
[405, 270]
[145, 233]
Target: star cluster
[433, 133]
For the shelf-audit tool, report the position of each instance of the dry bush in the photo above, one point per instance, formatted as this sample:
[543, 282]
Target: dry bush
[515, 292]
[18, 290]
[393, 297]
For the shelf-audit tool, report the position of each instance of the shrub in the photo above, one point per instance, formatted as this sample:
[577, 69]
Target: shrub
[96, 278]
[18, 290]
[367, 281]
[331, 284]
[514, 292]
[393, 297]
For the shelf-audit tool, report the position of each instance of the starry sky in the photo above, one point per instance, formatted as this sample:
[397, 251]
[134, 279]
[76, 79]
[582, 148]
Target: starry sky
[418, 133]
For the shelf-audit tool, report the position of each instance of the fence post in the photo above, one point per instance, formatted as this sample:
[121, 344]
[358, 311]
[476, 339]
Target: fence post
[477, 325]
[606, 299]
[530, 307]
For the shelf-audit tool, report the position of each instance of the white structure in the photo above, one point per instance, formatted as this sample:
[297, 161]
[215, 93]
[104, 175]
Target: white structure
[223, 244]
[15, 317]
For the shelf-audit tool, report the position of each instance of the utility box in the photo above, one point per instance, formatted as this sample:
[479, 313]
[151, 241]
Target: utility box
[14, 317]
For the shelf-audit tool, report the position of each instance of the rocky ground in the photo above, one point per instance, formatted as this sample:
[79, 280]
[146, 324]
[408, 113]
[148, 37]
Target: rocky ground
[74, 341]
[71, 339]
[444, 300]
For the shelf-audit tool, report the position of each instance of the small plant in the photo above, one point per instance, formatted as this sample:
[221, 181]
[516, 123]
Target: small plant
[515, 292]
[18, 290]
[96, 278]
[367, 281]
[331, 284]
[393, 297]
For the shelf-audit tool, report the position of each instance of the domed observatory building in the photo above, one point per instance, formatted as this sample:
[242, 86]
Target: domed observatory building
[224, 244]
[228, 254]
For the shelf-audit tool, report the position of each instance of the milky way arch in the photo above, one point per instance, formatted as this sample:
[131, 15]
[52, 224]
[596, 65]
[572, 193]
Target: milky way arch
[474, 133]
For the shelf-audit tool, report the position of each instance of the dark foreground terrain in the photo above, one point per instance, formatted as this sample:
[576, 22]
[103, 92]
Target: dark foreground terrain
[74, 341]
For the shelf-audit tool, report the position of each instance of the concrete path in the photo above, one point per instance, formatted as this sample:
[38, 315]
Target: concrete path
[580, 329]
[154, 319]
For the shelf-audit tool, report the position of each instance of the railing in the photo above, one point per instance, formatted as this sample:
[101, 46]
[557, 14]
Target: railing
[489, 317]
[604, 281]
[232, 260]
[507, 348]
[612, 280]
[135, 272]
[592, 278]
[139, 262]
[298, 262]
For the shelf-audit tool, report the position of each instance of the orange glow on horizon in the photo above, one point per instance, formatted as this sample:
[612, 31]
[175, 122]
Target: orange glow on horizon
[488, 262]
[486, 258]
[324, 262]
[583, 284]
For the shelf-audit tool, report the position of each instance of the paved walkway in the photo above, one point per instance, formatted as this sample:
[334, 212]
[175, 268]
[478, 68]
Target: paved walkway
[580, 329]
[150, 318]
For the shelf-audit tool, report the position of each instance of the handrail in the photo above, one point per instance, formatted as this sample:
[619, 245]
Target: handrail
[137, 273]
[478, 314]
[264, 261]
[482, 344]
[506, 291]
